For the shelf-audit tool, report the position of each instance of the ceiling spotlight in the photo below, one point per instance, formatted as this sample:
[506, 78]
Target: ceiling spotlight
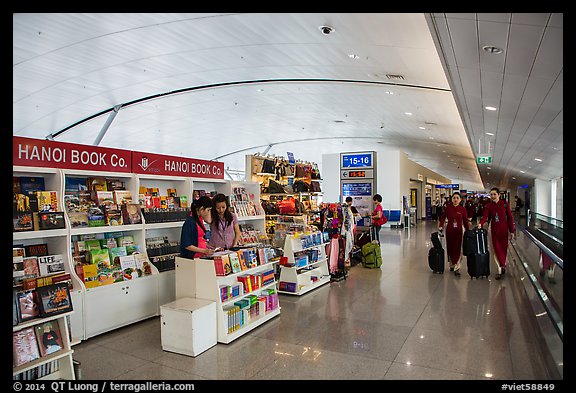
[326, 30]
[490, 108]
[492, 49]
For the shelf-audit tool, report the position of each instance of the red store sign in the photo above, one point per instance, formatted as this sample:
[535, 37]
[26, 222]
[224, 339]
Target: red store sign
[52, 154]
[158, 164]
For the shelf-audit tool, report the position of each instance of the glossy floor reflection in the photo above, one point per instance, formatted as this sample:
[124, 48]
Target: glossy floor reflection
[398, 322]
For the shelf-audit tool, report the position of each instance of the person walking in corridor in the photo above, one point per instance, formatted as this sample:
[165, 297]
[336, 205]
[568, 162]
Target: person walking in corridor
[457, 219]
[497, 212]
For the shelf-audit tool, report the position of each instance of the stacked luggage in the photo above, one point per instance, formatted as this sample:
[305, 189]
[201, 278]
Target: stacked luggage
[370, 250]
[436, 253]
[475, 248]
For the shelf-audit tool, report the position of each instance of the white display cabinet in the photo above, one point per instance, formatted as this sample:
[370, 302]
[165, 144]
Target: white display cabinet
[172, 230]
[197, 278]
[188, 326]
[63, 356]
[111, 306]
[300, 276]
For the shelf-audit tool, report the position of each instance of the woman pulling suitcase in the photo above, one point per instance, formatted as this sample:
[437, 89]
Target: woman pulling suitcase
[498, 213]
[457, 220]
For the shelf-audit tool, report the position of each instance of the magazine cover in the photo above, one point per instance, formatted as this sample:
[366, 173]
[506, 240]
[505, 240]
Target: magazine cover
[24, 346]
[54, 299]
[48, 337]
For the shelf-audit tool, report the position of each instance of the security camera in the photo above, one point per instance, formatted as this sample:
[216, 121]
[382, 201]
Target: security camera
[326, 30]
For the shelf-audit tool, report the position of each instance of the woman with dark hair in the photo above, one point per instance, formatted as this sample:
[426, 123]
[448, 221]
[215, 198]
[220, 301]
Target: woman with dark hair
[193, 239]
[378, 217]
[497, 212]
[457, 218]
[224, 227]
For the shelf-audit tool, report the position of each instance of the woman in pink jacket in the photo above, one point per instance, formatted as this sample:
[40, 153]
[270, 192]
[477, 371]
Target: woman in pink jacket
[498, 212]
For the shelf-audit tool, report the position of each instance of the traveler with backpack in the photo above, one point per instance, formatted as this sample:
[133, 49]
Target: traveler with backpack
[457, 218]
[497, 212]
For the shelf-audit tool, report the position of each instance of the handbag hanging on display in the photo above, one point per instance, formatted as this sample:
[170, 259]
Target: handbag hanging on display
[268, 166]
[257, 163]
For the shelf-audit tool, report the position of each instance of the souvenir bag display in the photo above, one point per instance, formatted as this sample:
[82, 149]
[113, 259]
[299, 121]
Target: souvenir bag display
[315, 172]
[257, 163]
[287, 206]
[268, 166]
[300, 171]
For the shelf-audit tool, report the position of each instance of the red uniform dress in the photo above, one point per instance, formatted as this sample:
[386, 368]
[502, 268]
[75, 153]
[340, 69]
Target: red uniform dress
[457, 218]
[501, 222]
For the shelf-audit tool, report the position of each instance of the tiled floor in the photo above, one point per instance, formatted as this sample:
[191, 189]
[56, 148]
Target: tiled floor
[398, 322]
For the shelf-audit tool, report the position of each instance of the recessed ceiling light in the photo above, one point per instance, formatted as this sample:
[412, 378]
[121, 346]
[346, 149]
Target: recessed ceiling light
[260, 89]
[489, 133]
[490, 108]
[353, 56]
[538, 159]
[422, 128]
[390, 92]
[326, 29]
[492, 49]
[408, 113]
[522, 172]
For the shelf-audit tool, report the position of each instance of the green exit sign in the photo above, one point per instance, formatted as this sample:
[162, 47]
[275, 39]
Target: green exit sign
[483, 159]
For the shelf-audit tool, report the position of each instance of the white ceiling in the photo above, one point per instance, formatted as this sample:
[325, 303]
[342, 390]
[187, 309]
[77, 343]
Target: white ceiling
[230, 84]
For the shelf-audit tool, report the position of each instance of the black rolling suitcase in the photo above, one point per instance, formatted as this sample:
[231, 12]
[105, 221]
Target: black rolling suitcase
[436, 253]
[478, 261]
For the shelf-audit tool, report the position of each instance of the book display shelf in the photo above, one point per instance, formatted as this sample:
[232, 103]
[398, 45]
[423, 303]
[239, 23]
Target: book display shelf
[304, 266]
[197, 279]
[55, 240]
[34, 357]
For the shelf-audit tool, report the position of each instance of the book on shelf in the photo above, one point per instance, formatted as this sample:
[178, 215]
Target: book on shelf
[96, 184]
[15, 317]
[25, 347]
[96, 217]
[18, 251]
[116, 253]
[113, 215]
[27, 305]
[131, 213]
[22, 221]
[100, 258]
[54, 299]
[235, 262]
[143, 267]
[30, 265]
[125, 240]
[128, 265]
[37, 250]
[115, 185]
[122, 196]
[49, 337]
[91, 244]
[18, 268]
[89, 274]
[51, 264]
[222, 264]
[50, 220]
[75, 184]
[31, 184]
[47, 201]
[78, 219]
[108, 243]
